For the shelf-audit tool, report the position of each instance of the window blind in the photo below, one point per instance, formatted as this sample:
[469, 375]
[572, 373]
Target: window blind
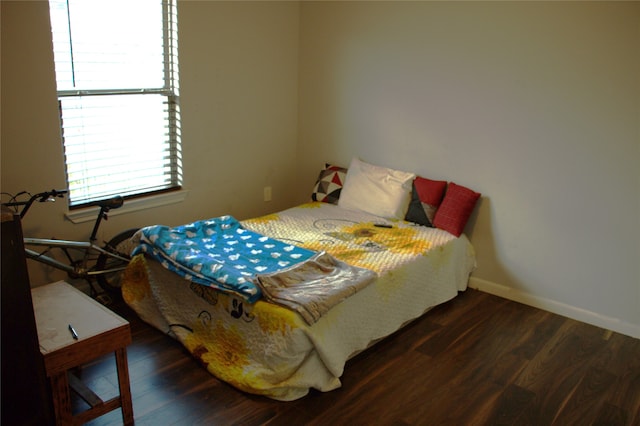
[117, 77]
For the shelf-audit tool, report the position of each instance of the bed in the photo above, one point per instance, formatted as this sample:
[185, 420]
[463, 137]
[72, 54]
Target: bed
[267, 346]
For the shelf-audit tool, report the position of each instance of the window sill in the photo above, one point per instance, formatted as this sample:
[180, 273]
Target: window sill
[86, 215]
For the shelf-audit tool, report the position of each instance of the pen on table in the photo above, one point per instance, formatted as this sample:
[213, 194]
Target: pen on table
[73, 332]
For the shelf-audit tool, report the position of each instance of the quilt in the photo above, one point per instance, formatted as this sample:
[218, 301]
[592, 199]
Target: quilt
[269, 349]
[220, 253]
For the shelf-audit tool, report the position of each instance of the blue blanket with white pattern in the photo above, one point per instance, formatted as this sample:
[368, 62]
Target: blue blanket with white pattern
[219, 253]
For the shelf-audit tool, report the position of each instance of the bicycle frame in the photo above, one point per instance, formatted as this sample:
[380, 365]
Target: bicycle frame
[87, 247]
[84, 259]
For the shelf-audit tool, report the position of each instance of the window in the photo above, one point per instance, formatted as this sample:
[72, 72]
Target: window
[116, 67]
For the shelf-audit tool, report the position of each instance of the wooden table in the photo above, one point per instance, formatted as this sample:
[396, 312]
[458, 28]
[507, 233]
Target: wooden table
[99, 331]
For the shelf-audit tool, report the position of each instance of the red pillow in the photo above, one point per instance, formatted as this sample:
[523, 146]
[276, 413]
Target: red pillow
[456, 208]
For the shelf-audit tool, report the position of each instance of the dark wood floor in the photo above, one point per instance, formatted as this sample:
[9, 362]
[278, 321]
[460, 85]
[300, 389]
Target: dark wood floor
[476, 360]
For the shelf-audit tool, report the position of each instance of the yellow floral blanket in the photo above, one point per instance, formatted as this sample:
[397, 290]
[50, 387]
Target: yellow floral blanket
[266, 349]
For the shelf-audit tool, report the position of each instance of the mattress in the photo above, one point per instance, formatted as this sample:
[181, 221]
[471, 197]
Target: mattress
[266, 349]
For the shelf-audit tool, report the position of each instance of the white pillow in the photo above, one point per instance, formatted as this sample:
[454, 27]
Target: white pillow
[377, 190]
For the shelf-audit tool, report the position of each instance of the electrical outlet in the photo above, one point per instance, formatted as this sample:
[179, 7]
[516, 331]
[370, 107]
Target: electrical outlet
[267, 193]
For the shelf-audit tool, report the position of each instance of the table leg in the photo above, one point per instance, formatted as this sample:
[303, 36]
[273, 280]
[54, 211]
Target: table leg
[61, 398]
[125, 389]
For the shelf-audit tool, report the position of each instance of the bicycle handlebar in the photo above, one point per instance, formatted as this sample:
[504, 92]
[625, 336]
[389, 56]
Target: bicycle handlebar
[40, 197]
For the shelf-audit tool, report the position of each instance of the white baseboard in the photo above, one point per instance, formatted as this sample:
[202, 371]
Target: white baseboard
[579, 314]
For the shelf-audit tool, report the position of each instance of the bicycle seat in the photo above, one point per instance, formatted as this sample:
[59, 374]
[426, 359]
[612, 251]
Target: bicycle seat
[109, 203]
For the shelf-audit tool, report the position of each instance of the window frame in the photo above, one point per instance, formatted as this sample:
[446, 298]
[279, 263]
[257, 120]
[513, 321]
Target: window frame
[171, 94]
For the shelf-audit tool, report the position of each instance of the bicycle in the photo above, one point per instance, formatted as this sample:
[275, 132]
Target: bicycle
[105, 263]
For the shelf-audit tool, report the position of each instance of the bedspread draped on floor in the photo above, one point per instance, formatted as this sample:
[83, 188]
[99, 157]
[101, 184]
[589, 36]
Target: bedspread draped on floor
[267, 349]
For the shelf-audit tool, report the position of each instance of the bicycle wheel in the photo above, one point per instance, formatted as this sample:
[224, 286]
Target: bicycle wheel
[122, 245]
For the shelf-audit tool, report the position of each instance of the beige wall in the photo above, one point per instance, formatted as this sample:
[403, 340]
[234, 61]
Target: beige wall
[239, 90]
[534, 104]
